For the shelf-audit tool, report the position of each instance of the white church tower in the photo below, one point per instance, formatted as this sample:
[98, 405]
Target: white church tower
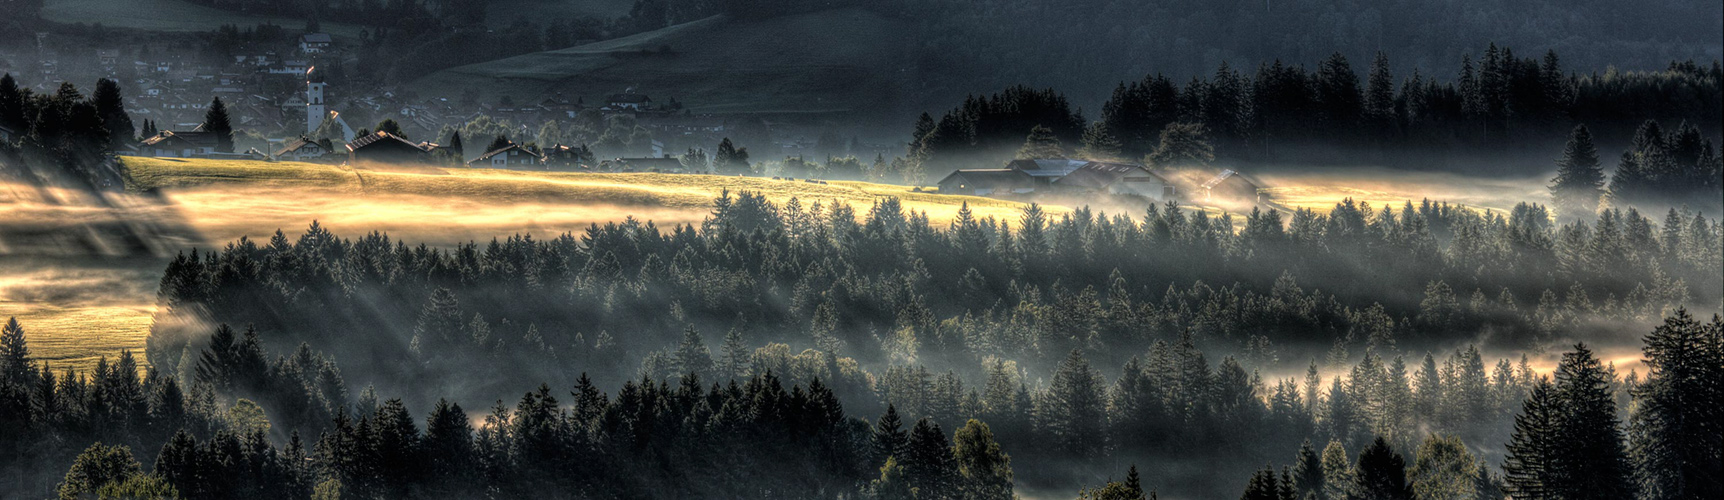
[314, 108]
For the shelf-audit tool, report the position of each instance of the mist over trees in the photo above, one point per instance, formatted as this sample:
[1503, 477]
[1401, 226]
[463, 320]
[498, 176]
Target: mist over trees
[1280, 112]
[1566, 441]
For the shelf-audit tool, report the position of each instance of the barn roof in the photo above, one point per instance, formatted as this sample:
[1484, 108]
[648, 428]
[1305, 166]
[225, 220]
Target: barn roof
[1097, 175]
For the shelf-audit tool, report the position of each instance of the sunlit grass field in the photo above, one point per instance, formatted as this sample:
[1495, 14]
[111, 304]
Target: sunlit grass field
[545, 191]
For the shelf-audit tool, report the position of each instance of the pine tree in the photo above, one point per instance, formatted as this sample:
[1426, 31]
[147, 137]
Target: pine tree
[1308, 473]
[1589, 459]
[1182, 144]
[737, 358]
[985, 470]
[1263, 486]
[110, 106]
[1073, 410]
[1338, 473]
[499, 142]
[216, 122]
[15, 365]
[1099, 143]
[1380, 93]
[928, 461]
[1444, 470]
[890, 439]
[692, 356]
[1677, 428]
[1382, 474]
[1578, 186]
[455, 145]
[1041, 144]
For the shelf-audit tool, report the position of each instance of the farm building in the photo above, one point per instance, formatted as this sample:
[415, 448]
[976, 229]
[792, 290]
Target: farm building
[988, 182]
[1044, 172]
[383, 147]
[513, 156]
[179, 144]
[1232, 186]
[1117, 178]
[647, 164]
[301, 149]
[560, 157]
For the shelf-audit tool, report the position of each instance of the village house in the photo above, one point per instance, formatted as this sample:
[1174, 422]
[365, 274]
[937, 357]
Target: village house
[1232, 186]
[171, 144]
[314, 43]
[301, 149]
[1117, 178]
[384, 147]
[1045, 171]
[655, 164]
[629, 101]
[987, 182]
[560, 157]
[513, 156]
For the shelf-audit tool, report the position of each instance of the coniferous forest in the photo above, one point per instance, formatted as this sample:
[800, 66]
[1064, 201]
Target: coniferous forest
[776, 343]
[810, 351]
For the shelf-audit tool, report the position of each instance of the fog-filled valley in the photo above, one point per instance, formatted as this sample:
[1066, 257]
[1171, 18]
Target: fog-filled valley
[581, 249]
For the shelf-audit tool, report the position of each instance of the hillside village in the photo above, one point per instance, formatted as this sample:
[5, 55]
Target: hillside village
[265, 81]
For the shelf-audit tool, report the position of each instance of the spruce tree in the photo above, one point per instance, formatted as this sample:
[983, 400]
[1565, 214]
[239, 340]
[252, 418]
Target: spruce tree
[1578, 186]
[1041, 144]
[1589, 459]
[216, 122]
[110, 106]
[1382, 474]
[928, 461]
[500, 142]
[1099, 143]
[15, 365]
[1308, 473]
[890, 439]
[456, 146]
[692, 356]
[985, 470]
[1677, 428]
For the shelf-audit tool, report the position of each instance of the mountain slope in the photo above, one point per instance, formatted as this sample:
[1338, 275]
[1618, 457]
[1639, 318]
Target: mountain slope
[831, 61]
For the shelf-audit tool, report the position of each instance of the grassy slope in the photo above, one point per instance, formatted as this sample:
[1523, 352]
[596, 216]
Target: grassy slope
[500, 13]
[681, 191]
[169, 15]
[826, 61]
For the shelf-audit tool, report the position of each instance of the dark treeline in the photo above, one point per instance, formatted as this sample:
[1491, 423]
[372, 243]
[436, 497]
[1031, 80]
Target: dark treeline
[1580, 433]
[1282, 112]
[984, 318]
[891, 288]
[676, 438]
[73, 136]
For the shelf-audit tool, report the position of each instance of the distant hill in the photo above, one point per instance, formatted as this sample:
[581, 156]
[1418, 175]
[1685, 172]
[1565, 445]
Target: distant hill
[833, 61]
[169, 16]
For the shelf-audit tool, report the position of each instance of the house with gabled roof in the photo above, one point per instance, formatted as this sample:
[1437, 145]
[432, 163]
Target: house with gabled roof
[1117, 178]
[301, 149]
[987, 182]
[513, 156]
[1230, 185]
[171, 144]
[384, 147]
[1047, 170]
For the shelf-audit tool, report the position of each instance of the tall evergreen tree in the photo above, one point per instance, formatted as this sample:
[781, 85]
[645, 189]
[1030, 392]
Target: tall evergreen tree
[216, 122]
[1590, 461]
[15, 365]
[1382, 474]
[1041, 144]
[1578, 186]
[110, 106]
[985, 470]
[1677, 428]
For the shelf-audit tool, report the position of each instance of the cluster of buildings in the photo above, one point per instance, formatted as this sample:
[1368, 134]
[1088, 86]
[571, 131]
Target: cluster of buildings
[1023, 178]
